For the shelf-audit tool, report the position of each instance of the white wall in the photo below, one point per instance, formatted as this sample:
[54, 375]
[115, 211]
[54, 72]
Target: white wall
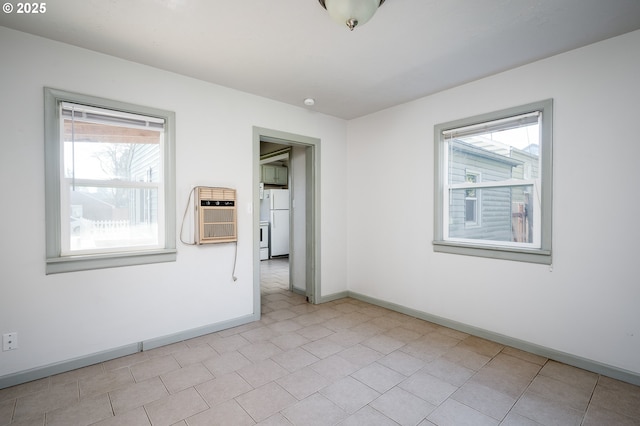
[587, 305]
[64, 316]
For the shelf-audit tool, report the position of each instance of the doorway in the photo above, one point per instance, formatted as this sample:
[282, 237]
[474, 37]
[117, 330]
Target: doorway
[303, 184]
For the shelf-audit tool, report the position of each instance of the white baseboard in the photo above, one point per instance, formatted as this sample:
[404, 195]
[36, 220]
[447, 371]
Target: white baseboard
[566, 358]
[95, 358]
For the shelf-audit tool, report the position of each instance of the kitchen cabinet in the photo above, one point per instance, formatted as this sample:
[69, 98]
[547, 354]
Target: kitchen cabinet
[274, 175]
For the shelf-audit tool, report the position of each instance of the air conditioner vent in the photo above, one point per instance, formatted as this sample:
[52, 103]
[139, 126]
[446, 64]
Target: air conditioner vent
[216, 215]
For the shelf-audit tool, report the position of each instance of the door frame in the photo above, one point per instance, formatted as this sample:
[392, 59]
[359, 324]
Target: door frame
[312, 208]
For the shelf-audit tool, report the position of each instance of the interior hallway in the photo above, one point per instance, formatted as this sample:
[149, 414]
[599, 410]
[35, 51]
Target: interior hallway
[345, 362]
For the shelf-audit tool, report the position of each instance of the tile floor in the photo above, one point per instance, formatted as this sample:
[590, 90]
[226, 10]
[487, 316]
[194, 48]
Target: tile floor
[345, 362]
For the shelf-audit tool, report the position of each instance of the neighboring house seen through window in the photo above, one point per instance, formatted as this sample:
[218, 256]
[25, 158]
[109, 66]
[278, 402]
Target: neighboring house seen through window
[493, 177]
[110, 183]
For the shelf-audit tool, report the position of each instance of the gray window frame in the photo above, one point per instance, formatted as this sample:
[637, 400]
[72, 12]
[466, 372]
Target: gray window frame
[55, 263]
[540, 255]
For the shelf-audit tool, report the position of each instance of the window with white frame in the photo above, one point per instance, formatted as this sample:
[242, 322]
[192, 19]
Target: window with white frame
[110, 183]
[493, 184]
[471, 199]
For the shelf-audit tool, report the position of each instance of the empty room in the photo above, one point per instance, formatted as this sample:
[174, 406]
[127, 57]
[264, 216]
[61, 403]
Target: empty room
[319, 212]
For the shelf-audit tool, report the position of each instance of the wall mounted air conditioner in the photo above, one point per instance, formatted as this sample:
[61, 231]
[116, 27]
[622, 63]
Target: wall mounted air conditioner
[215, 215]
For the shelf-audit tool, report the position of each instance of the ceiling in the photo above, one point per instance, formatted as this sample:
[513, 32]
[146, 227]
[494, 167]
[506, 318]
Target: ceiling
[288, 50]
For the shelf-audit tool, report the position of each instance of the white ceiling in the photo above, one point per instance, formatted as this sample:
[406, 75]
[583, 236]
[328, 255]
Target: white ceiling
[288, 50]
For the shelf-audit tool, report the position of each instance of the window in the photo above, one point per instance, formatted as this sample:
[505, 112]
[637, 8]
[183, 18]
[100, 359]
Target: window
[110, 184]
[493, 184]
[471, 200]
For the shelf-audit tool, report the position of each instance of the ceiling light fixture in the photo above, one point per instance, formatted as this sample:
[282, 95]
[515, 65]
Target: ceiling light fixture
[309, 101]
[351, 12]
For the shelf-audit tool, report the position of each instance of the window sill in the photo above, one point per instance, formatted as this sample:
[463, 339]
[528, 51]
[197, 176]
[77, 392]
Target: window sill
[494, 252]
[112, 260]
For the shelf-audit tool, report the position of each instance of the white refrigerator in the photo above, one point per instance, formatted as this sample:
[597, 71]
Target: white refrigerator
[275, 208]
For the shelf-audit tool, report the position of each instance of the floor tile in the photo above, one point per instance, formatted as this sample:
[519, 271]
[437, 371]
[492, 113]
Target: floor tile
[402, 407]
[383, 344]
[125, 361]
[448, 371]
[404, 334]
[514, 419]
[265, 401]
[501, 381]
[368, 416]
[481, 346]
[342, 362]
[229, 344]
[349, 394]
[428, 387]
[527, 356]
[137, 395]
[166, 350]
[347, 338]
[316, 410]
[6, 411]
[314, 332]
[378, 377]
[75, 375]
[193, 355]
[334, 367]
[61, 395]
[137, 417]
[262, 372]
[25, 389]
[259, 351]
[360, 355]
[226, 363]
[285, 326]
[485, 400]
[295, 359]
[598, 416]
[289, 341]
[546, 411]
[186, 377]
[154, 367]
[259, 334]
[105, 382]
[573, 376]
[514, 366]
[402, 362]
[85, 412]
[281, 315]
[424, 350]
[227, 413]
[560, 392]
[618, 396]
[275, 420]
[466, 358]
[453, 413]
[223, 388]
[173, 408]
[303, 383]
[323, 348]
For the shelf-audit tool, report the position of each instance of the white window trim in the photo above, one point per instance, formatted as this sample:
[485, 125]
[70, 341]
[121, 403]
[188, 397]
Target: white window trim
[55, 261]
[536, 252]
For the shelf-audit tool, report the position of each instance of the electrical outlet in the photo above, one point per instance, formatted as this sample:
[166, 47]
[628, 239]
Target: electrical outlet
[10, 341]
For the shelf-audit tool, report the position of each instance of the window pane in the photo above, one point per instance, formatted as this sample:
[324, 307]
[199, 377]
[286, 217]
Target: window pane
[105, 152]
[105, 218]
[504, 214]
[498, 156]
